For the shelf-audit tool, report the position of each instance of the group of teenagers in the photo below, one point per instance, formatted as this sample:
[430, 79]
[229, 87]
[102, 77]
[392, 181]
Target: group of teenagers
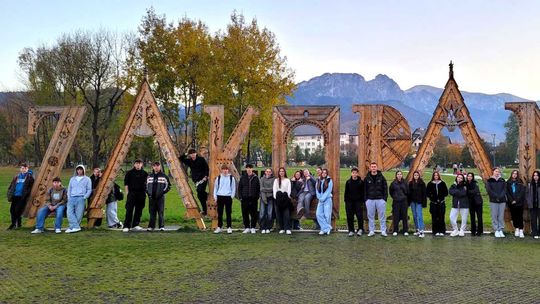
[271, 197]
[71, 202]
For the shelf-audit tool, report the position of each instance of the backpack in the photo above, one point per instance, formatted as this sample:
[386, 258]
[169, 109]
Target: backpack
[118, 194]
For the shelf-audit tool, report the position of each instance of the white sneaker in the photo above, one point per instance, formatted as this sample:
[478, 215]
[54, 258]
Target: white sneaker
[253, 231]
[516, 233]
[371, 233]
[68, 230]
[406, 234]
[218, 230]
[281, 231]
[328, 232]
[461, 233]
[149, 229]
[288, 232]
[384, 233]
[36, 231]
[247, 230]
[351, 233]
[229, 230]
[394, 234]
[125, 230]
[137, 228]
[162, 229]
[58, 231]
[454, 233]
[521, 235]
[421, 235]
[497, 235]
[321, 232]
[263, 231]
[536, 237]
[416, 233]
[501, 234]
[359, 233]
[75, 230]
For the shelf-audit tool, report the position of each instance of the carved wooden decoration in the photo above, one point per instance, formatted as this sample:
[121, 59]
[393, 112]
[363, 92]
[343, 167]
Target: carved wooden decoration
[451, 112]
[224, 154]
[64, 134]
[144, 120]
[384, 136]
[326, 119]
[528, 116]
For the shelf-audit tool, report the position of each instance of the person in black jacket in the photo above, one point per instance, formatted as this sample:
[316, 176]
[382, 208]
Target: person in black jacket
[475, 205]
[135, 189]
[418, 200]
[157, 185]
[533, 202]
[95, 178]
[249, 190]
[354, 199]
[399, 191]
[18, 193]
[437, 191]
[376, 194]
[199, 175]
[515, 194]
[460, 205]
[496, 189]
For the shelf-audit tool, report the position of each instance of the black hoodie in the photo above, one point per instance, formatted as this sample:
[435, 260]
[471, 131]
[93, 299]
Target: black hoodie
[496, 189]
[354, 190]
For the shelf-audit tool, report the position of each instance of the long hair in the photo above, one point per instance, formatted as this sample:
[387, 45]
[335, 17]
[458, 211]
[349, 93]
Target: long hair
[467, 180]
[462, 178]
[326, 180]
[518, 178]
[279, 175]
[395, 176]
[419, 177]
[532, 177]
[433, 175]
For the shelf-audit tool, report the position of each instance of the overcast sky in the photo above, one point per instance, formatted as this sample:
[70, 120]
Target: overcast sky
[495, 45]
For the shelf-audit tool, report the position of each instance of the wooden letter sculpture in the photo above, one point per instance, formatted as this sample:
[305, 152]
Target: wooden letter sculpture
[384, 136]
[528, 116]
[68, 125]
[451, 112]
[224, 154]
[326, 119]
[144, 120]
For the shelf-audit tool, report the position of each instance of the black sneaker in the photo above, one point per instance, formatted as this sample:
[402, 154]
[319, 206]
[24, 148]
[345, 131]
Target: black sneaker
[11, 227]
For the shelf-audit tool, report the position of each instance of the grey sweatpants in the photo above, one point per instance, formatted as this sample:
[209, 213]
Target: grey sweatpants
[378, 206]
[497, 216]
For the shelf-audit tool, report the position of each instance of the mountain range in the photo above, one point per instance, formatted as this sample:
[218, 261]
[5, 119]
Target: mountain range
[416, 104]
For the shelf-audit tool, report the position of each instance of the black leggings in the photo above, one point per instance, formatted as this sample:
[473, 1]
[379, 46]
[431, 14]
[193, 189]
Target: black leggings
[475, 211]
[399, 213]
[437, 217]
[517, 216]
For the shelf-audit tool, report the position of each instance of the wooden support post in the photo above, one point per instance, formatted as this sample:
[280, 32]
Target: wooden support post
[224, 154]
[61, 141]
[144, 120]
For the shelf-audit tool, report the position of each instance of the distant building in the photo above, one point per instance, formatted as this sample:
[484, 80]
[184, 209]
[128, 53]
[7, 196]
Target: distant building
[417, 138]
[312, 142]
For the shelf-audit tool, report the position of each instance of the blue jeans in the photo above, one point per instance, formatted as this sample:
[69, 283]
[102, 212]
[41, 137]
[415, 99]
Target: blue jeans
[324, 215]
[75, 211]
[265, 214]
[43, 212]
[418, 216]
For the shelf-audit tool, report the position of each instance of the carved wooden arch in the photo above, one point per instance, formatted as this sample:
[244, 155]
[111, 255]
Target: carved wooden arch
[384, 136]
[61, 141]
[528, 116]
[326, 118]
[220, 154]
[144, 120]
[451, 112]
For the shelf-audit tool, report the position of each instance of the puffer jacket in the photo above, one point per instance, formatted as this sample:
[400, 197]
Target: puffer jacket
[399, 191]
[496, 189]
[459, 196]
[375, 187]
[249, 187]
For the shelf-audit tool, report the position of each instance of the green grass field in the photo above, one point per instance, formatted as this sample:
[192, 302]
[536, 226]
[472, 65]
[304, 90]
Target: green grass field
[188, 266]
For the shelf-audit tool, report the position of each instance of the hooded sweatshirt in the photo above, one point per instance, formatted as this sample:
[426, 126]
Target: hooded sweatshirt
[79, 186]
[267, 188]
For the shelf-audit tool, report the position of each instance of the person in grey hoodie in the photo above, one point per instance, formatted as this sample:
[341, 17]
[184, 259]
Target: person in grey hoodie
[267, 201]
[496, 189]
[79, 189]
